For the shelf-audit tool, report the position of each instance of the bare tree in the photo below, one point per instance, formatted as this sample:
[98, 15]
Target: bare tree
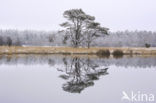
[81, 26]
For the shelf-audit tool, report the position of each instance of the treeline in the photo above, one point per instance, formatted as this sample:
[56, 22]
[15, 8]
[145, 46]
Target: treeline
[43, 38]
[129, 39]
[27, 37]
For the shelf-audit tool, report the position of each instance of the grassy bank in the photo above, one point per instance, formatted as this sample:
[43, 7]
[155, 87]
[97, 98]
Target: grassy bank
[70, 50]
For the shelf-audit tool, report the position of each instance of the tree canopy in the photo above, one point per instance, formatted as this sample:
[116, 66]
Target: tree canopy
[81, 27]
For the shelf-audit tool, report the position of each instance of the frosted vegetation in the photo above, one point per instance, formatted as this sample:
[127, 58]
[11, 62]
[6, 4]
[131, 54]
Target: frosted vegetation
[54, 38]
[81, 28]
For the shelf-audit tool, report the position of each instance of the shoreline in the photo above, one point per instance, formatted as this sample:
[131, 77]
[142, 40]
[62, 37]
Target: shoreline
[71, 50]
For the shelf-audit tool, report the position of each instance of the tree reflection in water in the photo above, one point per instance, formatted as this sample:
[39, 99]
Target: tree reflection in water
[80, 74]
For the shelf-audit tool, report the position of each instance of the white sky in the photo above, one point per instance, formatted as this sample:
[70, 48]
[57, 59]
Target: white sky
[47, 14]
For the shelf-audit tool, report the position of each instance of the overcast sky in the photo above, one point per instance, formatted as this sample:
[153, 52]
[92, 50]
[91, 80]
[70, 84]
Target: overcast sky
[47, 14]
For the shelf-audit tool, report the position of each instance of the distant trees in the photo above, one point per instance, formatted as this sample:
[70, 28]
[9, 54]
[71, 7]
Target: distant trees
[81, 27]
[114, 39]
[5, 41]
[9, 41]
[51, 38]
[128, 39]
[1, 40]
[28, 37]
[18, 42]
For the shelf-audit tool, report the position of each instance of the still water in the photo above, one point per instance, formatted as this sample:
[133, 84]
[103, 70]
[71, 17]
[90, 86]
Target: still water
[75, 79]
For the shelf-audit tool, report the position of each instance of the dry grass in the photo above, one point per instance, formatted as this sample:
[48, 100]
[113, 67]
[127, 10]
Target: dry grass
[70, 50]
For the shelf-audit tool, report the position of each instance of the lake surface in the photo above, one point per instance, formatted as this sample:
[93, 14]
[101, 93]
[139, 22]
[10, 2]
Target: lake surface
[75, 79]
